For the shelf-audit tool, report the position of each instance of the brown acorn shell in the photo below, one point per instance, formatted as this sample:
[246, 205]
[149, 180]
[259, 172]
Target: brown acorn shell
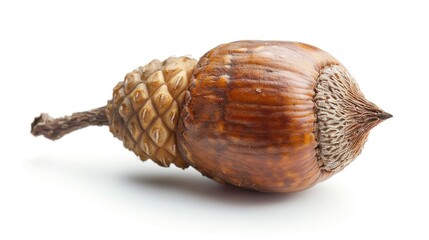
[249, 115]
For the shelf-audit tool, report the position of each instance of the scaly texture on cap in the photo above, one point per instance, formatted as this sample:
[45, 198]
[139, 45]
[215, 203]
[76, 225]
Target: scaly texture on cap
[145, 109]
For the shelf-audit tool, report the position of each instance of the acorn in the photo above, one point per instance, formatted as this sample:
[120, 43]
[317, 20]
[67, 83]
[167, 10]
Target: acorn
[269, 116]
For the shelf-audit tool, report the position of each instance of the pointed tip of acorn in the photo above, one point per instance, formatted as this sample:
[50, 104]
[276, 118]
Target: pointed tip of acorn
[384, 115]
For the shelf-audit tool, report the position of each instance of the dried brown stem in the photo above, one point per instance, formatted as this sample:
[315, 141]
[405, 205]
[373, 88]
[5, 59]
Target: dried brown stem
[55, 128]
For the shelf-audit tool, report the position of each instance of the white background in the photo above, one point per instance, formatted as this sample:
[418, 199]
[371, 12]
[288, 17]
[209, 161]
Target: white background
[61, 57]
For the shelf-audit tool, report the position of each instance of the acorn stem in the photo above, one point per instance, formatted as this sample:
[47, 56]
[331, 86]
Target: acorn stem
[55, 128]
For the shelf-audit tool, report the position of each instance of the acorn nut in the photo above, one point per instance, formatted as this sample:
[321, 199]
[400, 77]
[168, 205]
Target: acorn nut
[269, 116]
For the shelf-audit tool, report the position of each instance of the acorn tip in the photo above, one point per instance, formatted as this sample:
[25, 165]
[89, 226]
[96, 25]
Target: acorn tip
[384, 115]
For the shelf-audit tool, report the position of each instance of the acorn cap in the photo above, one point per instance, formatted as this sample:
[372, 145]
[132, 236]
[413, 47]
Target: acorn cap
[145, 109]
